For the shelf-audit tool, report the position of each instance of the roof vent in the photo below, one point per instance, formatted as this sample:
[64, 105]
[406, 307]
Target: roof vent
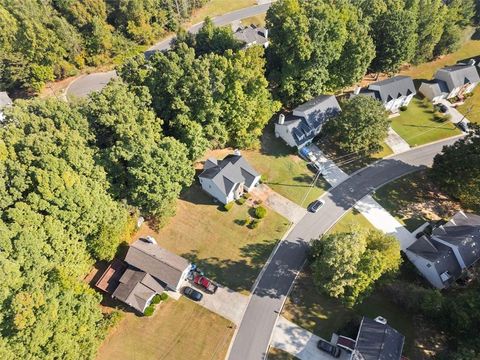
[237, 152]
[381, 320]
[471, 62]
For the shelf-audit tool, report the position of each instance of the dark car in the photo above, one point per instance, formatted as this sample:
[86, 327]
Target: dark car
[463, 126]
[192, 294]
[313, 167]
[443, 108]
[329, 348]
[315, 206]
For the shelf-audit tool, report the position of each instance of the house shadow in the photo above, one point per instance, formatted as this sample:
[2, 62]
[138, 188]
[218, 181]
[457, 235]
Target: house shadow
[270, 145]
[195, 195]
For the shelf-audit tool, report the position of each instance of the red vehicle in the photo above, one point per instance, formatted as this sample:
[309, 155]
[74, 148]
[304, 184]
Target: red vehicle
[207, 284]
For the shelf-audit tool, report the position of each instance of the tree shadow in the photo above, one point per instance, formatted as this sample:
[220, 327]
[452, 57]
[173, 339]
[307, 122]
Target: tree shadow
[271, 145]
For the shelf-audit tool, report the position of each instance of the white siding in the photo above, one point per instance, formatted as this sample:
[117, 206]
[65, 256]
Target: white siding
[282, 131]
[209, 186]
[426, 268]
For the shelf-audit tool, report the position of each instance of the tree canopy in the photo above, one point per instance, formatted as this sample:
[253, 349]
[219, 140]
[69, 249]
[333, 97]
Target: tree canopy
[346, 265]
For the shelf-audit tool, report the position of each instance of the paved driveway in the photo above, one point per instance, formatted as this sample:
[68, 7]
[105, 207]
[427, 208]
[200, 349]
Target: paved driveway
[396, 142]
[278, 203]
[89, 83]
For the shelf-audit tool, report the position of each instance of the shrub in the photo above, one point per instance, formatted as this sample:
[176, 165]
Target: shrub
[254, 223]
[260, 212]
[156, 299]
[163, 296]
[241, 201]
[149, 310]
[403, 108]
[263, 179]
[247, 196]
[228, 206]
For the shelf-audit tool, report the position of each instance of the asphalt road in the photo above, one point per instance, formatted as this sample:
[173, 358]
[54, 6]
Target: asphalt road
[97, 81]
[253, 336]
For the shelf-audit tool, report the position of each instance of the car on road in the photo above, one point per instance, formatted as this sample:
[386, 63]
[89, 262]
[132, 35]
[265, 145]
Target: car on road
[315, 206]
[205, 283]
[463, 126]
[192, 294]
[329, 348]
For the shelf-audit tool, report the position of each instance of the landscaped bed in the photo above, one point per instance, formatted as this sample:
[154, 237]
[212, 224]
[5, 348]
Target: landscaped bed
[417, 125]
[219, 241]
[178, 330]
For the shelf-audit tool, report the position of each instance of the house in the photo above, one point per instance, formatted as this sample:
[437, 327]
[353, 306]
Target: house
[252, 35]
[226, 180]
[146, 271]
[393, 93]
[451, 81]
[4, 102]
[306, 121]
[376, 340]
[448, 253]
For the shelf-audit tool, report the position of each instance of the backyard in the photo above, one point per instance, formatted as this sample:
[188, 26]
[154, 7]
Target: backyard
[217, 240]
[414, 200]
[177, 330]
[418, 126]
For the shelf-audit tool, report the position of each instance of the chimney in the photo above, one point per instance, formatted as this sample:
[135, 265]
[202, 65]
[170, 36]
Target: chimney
[265, 33]
[357, 89]
[237, 152]
[151, 240]
[281, 119]
[471, 62]
[381, 320]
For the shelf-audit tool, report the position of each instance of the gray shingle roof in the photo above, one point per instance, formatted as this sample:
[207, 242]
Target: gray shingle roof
[393, 88]
[319, 108]
[4, 99]
[376, 341]
[252, 35]
[438, 87]
[230, 172]
[458, 75]
[163, 265]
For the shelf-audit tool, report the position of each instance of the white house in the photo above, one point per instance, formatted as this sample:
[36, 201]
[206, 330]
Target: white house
[451, 81]
[306, 121]
[4, 102]
[449, 251]
[394, 93]
[226, 180]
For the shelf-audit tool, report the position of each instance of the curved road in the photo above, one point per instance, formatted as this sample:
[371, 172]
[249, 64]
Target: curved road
[94, 82]
[253, 336]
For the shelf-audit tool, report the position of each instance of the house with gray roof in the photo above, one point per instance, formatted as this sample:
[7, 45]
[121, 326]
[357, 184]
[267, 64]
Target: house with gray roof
[306, 121]
[393, 93]
[4, 102]
[376, 340]
[449, 252]
[226, 180]
[451, 81]
[252, 35]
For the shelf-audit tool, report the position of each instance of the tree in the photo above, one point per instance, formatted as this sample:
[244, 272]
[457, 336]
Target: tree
[212, 39]
[361, 127]
[457, 172]
[346, 265]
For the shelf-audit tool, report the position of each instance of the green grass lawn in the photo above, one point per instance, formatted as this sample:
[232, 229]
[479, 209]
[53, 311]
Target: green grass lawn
[471, 108]
[218, 7]
[414, 200]
[258, 20]
[352, 217]
[230, 253]
[417, 126]
[177, 330]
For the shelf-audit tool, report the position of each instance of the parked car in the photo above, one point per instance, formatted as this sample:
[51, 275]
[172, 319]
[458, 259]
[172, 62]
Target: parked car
[315, 206]
[204, 282]
[313, 167]
[192, 294]
[463, 126]
[443, 108]
[329, 348]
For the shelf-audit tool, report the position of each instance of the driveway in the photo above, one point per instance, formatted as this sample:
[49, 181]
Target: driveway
[457, 116]
[288, 209]
[299, 342]
[89, 83]
[395, 142]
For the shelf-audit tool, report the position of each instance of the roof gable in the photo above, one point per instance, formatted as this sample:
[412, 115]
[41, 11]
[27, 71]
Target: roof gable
[458, 75]
[393, 88]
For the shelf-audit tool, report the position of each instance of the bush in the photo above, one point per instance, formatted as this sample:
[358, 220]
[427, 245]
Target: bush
[163, 296]
[254, 223]
[156, 299]
[260, 212]
[241, 201]
[149, 310]
[247, 196]
[403, 108]
[228, 206]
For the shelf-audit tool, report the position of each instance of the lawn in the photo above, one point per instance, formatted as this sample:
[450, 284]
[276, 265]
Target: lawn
[277, 354]
[219, 7]
[414, 200]
[417, 125]
[352, 217]
[178, 330]
[212, 238]
[258, 20]
[471, 108]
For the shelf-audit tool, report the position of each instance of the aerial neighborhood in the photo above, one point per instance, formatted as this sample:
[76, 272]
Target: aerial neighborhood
[241, 180]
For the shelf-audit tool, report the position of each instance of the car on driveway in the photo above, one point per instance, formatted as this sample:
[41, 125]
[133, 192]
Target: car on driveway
[315, 206]
[204, 282]
[463, 126]
[192, 294]
[443, 108]
[329, 348]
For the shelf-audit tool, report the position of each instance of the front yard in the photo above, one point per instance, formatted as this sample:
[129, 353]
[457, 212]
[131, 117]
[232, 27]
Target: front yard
[178, 330]
[418, 126]
[352, 217]
[471, 108]
[414, 200]
[217, 241]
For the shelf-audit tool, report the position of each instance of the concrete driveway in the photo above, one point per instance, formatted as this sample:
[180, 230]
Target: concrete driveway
[395, 142]
[299, 342]
[278, 203]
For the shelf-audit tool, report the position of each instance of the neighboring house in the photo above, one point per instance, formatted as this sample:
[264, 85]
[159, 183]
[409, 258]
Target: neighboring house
[4, 102]
[146, 271]
[306, 121]
[226, 180]
[393, 93]
[448, 253]
[451, 81]
[252, 35]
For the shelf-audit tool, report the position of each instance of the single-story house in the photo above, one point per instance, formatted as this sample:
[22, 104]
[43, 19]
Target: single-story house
[451, 81]
[146, 271]
[393, 93]
[4, 102]
[226, 180]
[252, 35]
[306, 121]
[448, 253]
